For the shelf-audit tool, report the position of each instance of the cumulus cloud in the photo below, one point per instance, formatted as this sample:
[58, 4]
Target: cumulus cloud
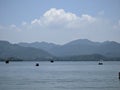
[58, 17]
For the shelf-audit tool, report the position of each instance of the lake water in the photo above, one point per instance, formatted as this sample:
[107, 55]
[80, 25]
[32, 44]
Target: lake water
[60, 75]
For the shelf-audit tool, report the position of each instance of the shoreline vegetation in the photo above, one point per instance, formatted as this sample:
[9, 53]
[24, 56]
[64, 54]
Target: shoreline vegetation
[54, 60]
[94, 57]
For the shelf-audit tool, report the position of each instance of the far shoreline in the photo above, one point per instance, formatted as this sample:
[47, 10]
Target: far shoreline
[57, 60]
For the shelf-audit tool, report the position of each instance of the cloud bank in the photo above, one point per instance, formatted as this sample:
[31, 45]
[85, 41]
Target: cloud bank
[60, 26]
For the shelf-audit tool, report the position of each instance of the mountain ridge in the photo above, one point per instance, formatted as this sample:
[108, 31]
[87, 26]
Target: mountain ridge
[81, 47]
[8, 50]
[74, 50]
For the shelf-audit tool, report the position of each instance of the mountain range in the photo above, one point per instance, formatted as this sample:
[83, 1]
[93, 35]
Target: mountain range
[74, 50]
[8, 50]
[78, 47]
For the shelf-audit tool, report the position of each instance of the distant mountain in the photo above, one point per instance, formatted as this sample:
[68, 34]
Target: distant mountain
[8, 50]
[40, 45]
[109, 48]
[79, 47]
[86, 47]
[49, 47]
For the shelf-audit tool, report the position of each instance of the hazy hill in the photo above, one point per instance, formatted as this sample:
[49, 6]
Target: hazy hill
[79, 47]
[28, 53]
[41, 45]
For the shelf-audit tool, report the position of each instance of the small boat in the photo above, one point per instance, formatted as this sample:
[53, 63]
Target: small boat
[7, 61]
[51, 61]
[100, 62]
[37, 64]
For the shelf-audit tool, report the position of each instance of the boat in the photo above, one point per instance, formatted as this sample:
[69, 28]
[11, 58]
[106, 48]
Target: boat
[51, 61]
[37, 64]
[100, 62]
[7, 61]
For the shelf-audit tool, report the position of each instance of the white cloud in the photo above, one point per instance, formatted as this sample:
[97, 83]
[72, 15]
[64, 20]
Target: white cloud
[59, 18]
[59, 15]
[87, 18]
[35, 21]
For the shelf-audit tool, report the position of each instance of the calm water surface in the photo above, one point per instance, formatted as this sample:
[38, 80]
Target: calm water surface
[59, 76]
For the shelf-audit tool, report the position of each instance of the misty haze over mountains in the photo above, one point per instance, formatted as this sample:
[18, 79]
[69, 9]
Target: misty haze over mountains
[43, 50]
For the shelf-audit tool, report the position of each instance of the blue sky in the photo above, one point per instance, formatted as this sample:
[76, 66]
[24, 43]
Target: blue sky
[59, 21]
